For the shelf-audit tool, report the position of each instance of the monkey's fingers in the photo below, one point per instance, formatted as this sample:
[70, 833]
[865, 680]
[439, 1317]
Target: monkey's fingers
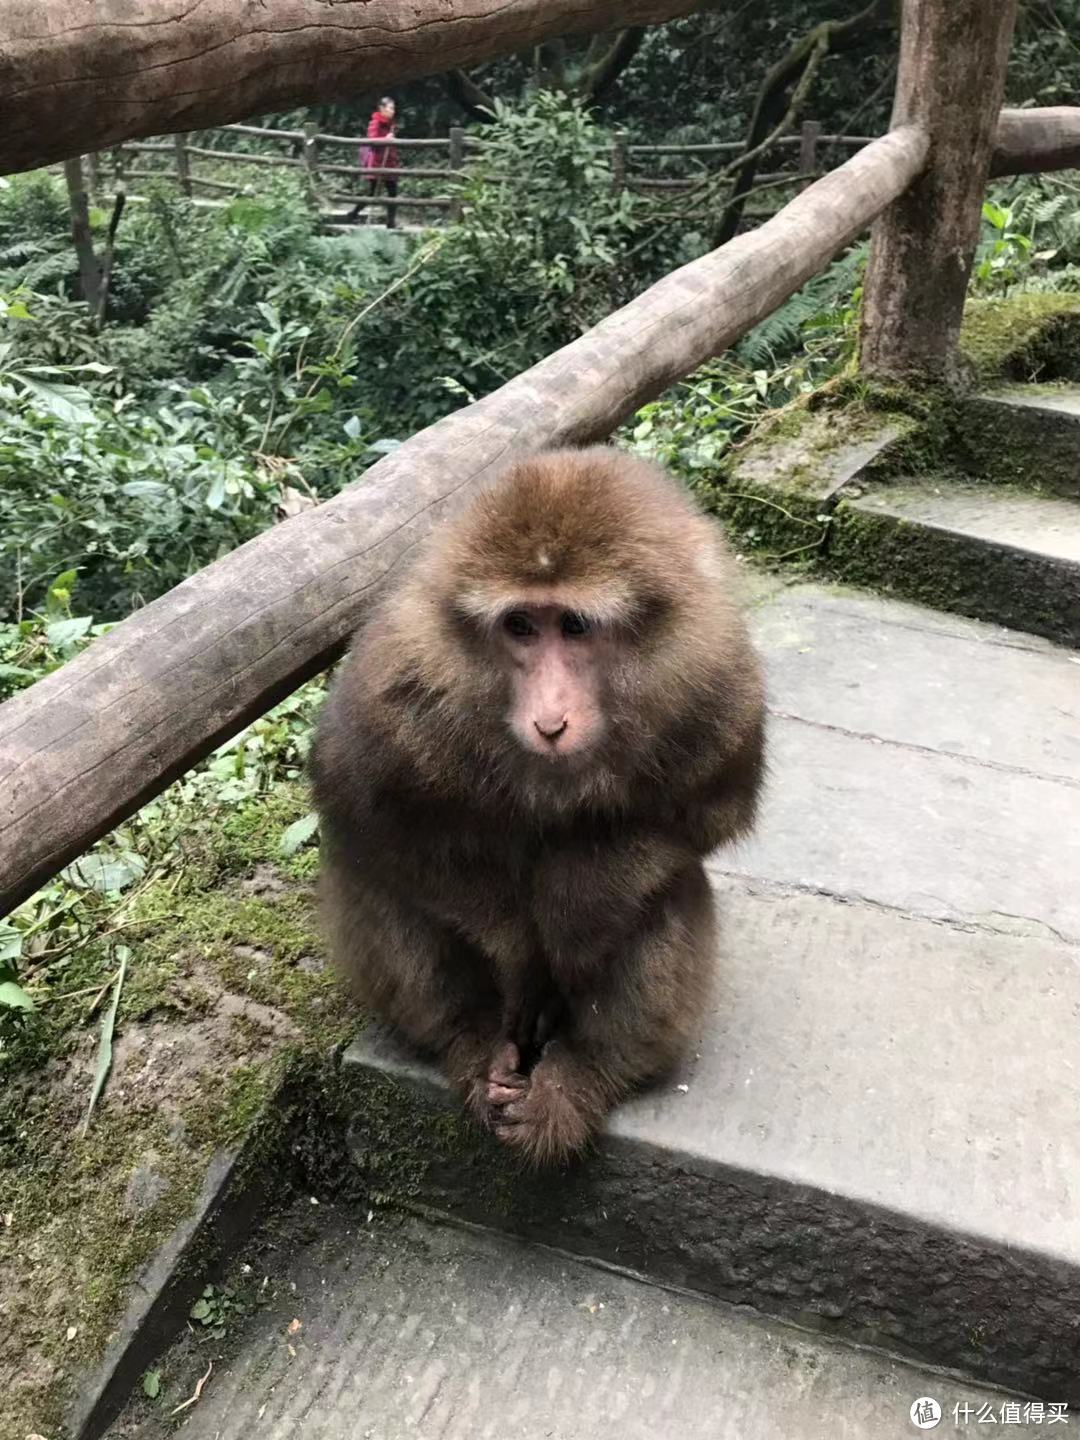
[505, 1063]
[515, 1112]
[507, 1089]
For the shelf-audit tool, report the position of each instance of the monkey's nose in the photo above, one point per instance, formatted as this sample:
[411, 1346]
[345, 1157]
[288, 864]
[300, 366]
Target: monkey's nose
[552, 731]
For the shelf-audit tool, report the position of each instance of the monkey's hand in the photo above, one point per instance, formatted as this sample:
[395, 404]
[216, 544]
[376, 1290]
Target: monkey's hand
[505, 1082]
[551, 1115]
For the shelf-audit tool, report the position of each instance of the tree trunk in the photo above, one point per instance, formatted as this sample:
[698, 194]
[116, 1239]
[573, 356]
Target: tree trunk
[953, 56]
[476, 103]
[90, 274]
[183, 66]
[604, 69]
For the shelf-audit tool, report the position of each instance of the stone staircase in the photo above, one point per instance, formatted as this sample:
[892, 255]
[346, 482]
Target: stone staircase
[431, 1331]
[986, 524]
[1002, 543]
[876, 1141]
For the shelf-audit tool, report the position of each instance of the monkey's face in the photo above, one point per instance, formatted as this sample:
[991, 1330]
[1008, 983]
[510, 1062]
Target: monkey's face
[555, 658]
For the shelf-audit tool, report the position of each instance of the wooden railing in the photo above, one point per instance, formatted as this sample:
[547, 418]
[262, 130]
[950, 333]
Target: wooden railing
[331, 182]
[87, 745]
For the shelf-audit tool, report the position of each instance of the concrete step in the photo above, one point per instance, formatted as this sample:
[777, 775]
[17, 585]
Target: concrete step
[431, 1332]
[877, 1133]
[985, 550]
[1027, 435]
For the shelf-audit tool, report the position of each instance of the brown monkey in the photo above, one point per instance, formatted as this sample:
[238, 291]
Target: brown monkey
[535, 738]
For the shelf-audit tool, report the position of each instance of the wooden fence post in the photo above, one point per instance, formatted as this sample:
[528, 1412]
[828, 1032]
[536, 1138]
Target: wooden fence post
[619, 156]
[808, 156]
[310, 156]
[183, 163]
[951, 81]
[457, 164]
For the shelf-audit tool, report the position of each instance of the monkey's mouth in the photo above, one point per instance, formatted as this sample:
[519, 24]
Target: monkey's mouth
[565, 756]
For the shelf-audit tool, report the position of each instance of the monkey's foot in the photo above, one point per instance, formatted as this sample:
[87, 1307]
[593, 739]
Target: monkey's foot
[538, 1114]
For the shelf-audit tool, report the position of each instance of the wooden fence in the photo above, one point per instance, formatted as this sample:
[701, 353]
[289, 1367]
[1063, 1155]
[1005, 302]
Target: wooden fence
[334, 181]
[89, 744]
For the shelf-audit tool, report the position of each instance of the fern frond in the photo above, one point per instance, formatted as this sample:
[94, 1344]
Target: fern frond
[818, 301]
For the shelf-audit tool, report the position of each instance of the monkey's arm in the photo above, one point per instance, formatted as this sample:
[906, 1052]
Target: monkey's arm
[626, 1021]
[722, 807]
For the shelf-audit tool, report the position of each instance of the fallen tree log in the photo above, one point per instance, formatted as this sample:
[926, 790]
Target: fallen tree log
[89, 744]
[73, 82]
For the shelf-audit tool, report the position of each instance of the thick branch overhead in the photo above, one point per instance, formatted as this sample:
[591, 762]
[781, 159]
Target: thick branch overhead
[69, 85]
[87, 745]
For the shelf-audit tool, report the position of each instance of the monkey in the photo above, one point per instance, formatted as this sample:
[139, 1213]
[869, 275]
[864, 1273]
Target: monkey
[542, 728]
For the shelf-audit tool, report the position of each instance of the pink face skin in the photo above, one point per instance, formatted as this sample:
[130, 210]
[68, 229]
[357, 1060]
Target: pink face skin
[554, 654]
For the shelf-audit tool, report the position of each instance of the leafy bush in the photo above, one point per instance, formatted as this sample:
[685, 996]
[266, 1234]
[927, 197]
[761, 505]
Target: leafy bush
[1030, 237]
[132, 501]
[544, 250]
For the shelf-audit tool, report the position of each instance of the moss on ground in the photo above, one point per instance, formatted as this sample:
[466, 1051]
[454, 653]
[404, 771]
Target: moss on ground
[227, 996]
[1028, 337]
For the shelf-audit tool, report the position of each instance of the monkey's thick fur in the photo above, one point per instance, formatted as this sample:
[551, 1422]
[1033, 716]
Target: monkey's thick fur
[499, 907]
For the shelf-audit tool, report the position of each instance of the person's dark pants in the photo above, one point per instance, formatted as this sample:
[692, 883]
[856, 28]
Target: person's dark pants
[387, 183]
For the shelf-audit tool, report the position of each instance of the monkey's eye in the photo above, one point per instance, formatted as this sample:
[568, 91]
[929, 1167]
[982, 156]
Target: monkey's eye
[518, 624]
[574, 625]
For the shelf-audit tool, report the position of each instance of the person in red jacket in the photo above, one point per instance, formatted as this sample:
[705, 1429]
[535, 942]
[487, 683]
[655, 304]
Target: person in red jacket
[374, 159]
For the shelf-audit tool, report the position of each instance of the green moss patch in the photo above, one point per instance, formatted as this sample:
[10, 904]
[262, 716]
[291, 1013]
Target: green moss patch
[1029, 337]
[1011, 444]
[227, 996]
[951, 571]
[775, 496]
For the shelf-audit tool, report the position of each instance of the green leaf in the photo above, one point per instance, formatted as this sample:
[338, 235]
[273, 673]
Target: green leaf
[140, 489]
[95, 367]
[215, 496]
[62, 633]
[201, 1311]
[70, 403]
[352, 427]
[105, 872]
[14, 997]
[108, 1025]
[995, 216]
[11, 942]
[298, 833]
[151, 1384]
